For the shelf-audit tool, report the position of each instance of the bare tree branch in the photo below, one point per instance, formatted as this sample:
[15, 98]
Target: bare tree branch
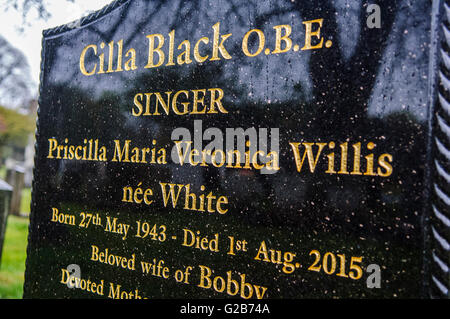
[25, 7]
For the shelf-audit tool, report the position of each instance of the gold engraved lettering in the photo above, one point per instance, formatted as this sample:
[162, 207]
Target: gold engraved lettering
[313, 153]
[285, 38]
[232, 285]
[191, 239]
[99, 58]
[90, 151]
[356, 159]
[277, 257]
[62, 218]
[182, 102]
[309, 34]
[116, 292]
[232, 158]
[106, 257]
[261, 42]
[155, 268]
[130, 65]
[113, 226]
[197, 202]
[152, 50]
[384, 161]
[185, 56]
[199, 58]
[156, 44]
[122, 152]
[219, 46]
[83, 58]
[80, 283]
[344, 158]
[138, 195]
[98, 67]
[171, 48]
[312, 161]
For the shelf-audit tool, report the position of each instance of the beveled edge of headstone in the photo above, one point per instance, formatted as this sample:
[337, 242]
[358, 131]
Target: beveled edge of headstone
[439, 207]
[85, 20]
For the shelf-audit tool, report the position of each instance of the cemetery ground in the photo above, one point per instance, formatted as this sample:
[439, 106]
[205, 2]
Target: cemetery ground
[12, 265]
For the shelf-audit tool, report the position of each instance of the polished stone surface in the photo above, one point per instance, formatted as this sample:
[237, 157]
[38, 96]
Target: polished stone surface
[363, 93]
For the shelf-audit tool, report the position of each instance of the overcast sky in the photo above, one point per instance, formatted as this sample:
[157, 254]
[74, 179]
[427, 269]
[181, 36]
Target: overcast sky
[29, 41]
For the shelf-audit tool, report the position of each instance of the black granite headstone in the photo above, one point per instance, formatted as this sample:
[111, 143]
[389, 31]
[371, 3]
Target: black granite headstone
[244, 149]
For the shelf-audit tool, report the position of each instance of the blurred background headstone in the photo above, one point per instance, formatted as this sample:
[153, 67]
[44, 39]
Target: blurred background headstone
[15, 176]
[5, 197]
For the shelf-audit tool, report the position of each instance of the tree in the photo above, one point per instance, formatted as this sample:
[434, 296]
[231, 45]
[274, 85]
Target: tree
[16, 88]
[15, 127]
[25, 6]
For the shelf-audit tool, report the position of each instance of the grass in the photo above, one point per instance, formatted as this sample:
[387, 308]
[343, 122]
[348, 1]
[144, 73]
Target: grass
[12, 265]
[25, 202]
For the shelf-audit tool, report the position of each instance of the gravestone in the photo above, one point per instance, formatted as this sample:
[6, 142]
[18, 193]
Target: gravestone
[257, 149]
[5, 199]
[15, 177]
